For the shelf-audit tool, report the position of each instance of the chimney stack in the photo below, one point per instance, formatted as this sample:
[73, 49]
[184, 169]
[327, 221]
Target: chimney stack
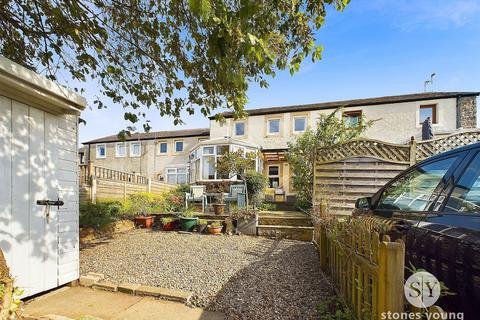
[466, 112]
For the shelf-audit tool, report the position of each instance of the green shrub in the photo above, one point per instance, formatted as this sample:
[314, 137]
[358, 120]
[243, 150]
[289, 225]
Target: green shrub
[256, 184]
[99, 214]
[189, 213]
[202, 222]
[267, 206]
[333, 308]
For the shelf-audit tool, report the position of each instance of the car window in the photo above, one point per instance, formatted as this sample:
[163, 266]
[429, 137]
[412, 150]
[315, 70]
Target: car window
[465, 197]
[412, 191]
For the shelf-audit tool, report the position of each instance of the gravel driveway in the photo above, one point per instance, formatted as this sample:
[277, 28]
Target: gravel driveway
[244, 277]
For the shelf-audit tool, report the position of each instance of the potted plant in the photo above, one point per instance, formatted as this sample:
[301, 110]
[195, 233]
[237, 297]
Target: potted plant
[140, 206]
[188, 220]
[168, 223]
[219, 208]
[215, 228]
[201, 225]
[246, 221]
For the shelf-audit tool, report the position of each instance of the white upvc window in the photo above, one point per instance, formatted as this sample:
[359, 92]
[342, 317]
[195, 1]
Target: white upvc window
[179, 146]
[239, 128]
[101, 151]
[135, 149]
[163, 147]
[120, 150]
[273, 126]
[299, 124]
[176, 175]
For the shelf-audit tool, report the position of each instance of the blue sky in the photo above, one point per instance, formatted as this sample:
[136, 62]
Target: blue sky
[373, 48]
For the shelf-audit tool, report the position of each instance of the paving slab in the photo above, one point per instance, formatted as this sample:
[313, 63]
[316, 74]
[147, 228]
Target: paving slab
[76, 302]
[80, 301]
[151, 308]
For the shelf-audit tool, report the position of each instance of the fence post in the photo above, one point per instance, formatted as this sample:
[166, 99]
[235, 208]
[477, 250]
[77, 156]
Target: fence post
[391, 257]
[322, 246]
[90, 170]
[93, 189]
[149, 185]
[413, 151]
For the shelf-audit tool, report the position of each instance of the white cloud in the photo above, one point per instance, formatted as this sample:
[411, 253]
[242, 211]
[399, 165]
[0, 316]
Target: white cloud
[411, 14]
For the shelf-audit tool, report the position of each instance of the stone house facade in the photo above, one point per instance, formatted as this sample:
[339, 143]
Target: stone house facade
[268, 130]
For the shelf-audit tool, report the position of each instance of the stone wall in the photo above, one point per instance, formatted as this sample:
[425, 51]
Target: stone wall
[467, 112]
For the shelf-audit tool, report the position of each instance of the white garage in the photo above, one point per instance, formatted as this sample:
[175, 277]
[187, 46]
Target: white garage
[38, 179]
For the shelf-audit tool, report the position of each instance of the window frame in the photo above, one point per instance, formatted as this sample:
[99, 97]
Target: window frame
[160, 147]
[352, 113]
[279, 126]
[432, 106]
[117, 155]
[235, 128]
[176, 173]
[305, 127]
[175, 146]
[132, 144]
[97, 154]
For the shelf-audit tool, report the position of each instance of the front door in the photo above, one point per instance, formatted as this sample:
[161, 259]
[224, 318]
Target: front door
[28, 232]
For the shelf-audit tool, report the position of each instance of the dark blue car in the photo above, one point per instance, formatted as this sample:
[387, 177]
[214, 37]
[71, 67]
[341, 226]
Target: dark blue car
[436, 204]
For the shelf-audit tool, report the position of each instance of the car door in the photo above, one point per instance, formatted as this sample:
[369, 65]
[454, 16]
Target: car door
[459, 203]
[413, 194]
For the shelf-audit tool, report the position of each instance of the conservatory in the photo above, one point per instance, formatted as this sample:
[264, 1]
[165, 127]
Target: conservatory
[204, 156]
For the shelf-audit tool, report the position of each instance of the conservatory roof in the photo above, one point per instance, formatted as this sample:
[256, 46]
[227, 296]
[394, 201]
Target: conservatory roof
[226, 140]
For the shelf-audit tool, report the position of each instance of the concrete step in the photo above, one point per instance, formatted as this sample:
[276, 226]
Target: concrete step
[286, 232]
[284, 221]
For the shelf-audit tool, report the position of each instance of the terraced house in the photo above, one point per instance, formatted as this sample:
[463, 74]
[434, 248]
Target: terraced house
[190, 155]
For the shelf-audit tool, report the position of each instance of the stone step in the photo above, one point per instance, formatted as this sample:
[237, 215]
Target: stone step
[284, 221]
[286, 232]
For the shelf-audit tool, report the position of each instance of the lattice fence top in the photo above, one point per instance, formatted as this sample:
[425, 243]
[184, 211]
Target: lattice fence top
[397, 153]
[429, 148]
[365, 148]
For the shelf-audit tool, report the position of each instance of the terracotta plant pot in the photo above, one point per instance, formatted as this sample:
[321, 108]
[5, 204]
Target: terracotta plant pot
[215, 230]
[169, 226]
[219, 208]
[144, 222]
[187, 224]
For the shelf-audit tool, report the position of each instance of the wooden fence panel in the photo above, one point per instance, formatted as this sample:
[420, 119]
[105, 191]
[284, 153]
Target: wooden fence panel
[345, 181]
[103, 183]
[359, 168]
